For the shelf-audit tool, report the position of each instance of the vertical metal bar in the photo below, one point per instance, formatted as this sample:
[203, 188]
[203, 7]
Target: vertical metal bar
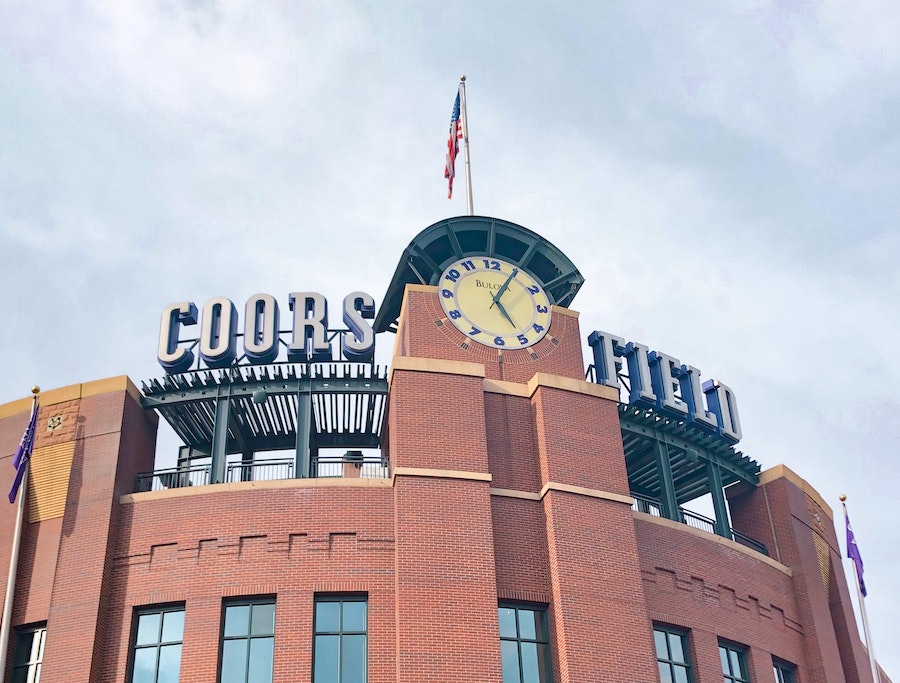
[304, 420]
[714, 477]
[667, 498]
[220, 436]
[465, 122]
[6, 629]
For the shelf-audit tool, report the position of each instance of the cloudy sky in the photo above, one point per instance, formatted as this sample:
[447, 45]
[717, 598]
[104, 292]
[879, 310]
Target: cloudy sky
[724, 176]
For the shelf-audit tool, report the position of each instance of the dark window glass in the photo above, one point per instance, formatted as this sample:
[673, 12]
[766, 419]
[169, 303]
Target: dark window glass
[524, 644]
[672, 655]
[734, 663]
[156, 650]
[29, 654]
[784, 671]
[340, 633]
[248, 641]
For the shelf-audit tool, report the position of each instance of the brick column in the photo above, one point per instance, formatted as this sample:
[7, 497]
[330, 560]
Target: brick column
[114, 440]
[598, 612]
[797, 526]
[446, 610]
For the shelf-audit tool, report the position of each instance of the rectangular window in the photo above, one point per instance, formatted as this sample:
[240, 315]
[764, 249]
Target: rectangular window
[672, 655]
[524, 644]
[29, 654]
[339, 641]
[248, 641]
[784, 671]
[156, 644]
[734, 663]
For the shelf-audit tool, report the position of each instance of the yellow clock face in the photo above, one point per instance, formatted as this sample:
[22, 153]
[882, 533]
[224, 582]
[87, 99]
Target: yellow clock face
[495, 303]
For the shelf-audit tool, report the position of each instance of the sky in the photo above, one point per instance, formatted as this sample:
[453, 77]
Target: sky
[724, 175]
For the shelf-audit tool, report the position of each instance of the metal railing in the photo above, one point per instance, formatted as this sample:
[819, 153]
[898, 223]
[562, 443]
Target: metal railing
[362, 466]
[172, 478]
[260, 470]
[652, 506]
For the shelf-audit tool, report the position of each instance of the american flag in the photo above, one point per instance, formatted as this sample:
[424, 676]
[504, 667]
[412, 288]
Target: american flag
[456, 134]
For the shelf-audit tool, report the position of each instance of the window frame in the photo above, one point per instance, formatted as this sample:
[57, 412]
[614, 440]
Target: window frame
[684, 636]
[31, 668]
[133, 648]
[785, 672]
[545, 672]
[740, 651]
[248, 636]
[341, 598]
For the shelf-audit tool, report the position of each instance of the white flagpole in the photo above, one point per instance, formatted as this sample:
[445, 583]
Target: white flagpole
[862, 613]
[5, 627]
[465, 123]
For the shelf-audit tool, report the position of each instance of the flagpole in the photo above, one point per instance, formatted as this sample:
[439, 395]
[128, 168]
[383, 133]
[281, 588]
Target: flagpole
[8, 599]
[465, 122]
[862, 612]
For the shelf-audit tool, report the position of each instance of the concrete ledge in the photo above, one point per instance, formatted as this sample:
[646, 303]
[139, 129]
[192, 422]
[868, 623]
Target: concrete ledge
[564, 311]
[325, 482]
[784, 472]
[499, 386]
[712, 538]
[73, 392]
[445, 367]
[566, 488]
[441, 474]
[512, 493]
[578, 386]
[421, 288]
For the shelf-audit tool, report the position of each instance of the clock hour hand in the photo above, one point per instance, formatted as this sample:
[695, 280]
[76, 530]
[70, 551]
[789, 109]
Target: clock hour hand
[504, 287]
[503, 311]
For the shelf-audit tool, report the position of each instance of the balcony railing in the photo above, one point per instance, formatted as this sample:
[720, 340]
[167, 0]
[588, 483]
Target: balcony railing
[173, 478]
[261, 470]
[652, 506]
[352, 465]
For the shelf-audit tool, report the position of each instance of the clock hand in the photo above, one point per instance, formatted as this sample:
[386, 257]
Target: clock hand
[503, 311]
[504, 287]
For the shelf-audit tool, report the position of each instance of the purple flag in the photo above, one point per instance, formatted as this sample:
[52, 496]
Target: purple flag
[23, 453]
[853, 554]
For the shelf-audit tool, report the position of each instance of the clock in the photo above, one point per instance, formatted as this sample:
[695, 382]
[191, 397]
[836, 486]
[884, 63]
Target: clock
[494, 302]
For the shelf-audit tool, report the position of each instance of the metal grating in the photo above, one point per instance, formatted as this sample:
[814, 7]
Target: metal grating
[348, 402]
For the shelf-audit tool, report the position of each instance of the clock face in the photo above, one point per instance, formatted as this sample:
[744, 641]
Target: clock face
[494, 302]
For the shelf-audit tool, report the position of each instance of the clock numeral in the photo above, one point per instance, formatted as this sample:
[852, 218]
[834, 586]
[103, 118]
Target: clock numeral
[541, 309]
[498, 341]
[468, 265]
[534, 290]
[493, 265]
[456, 315]
[537, 328]
[452, 275]
[522, 339]
[474, 331]
[447, 294]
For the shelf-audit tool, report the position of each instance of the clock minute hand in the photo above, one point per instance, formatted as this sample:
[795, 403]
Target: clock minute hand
[503, 311]
[504, 287]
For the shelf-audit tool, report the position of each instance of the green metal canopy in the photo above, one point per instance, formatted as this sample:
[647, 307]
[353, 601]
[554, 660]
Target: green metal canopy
[438, 245]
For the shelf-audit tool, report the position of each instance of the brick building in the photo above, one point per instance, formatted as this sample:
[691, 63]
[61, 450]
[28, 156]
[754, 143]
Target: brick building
[517, 522]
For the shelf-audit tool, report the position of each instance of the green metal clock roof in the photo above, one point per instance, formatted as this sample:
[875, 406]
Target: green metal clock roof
[438, 245]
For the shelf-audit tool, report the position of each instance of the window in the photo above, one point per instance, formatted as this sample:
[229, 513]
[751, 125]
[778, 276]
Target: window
[734, 663]
[784, 671]
[672, 655]
[156, 650]
[248, 641]
[524, 644]
[29, 654]
[339, 647]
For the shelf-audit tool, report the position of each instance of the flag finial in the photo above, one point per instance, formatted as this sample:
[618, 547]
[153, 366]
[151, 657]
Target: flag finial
[35, 390]
[843, 497]
[463, 77]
